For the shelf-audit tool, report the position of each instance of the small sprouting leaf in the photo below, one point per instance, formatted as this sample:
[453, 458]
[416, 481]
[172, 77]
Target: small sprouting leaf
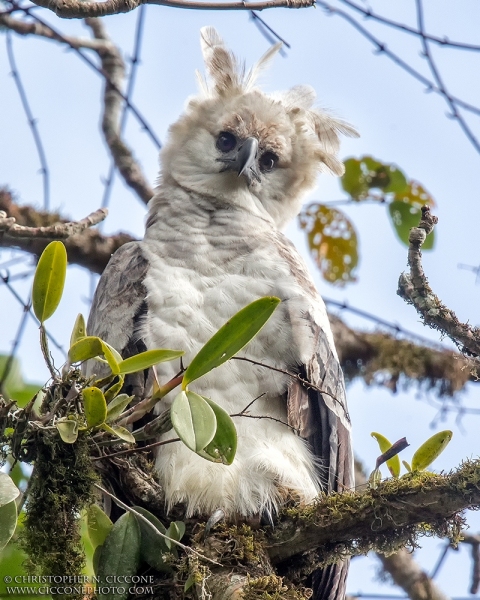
[231, 338]
[98, 524]
[8, 522]
[393, 464]
[175, 531]
[188, 584]
[147, 359]
[120, 556]
[8, 490]
[79, 329]
[153, 545]
[49, 280]
[407, 466]
[223, 447]
[95, 406]
[119, 432]
[68, 430]
[113, 390]
[430, 450]
[405, 216]
[366, 173]
[194, 420]
[332, 241]
[375, 478]
[117, 406]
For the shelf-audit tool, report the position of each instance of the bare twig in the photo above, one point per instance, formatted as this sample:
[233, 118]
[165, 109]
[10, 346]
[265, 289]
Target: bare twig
[60, 231]
[76, 9]
[414, 288]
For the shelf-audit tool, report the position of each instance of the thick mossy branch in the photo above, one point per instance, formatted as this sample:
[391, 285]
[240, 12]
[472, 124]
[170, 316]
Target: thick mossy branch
[383, 519]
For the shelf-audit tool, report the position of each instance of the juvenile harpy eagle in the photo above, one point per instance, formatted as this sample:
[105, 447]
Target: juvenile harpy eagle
[234, 171]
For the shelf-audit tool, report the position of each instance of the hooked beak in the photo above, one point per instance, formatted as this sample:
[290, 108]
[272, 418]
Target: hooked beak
[244, 162]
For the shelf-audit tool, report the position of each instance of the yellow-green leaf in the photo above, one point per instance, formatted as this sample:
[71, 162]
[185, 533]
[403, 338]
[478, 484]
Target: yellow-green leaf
[79, 330]
[85, 348]
[231, 338]
[113, 390]
[367, 173]
[393, 464]
[332, 241]
[95, 406]
[112, 357]
[147, 359]
[117, 406]
[99, 525]
[49, 280]
[404, 216]
[407, 466]
[68, 430]
[430, 450]
[119, 432]
[223, 447]
[8, 522]
[193, 419]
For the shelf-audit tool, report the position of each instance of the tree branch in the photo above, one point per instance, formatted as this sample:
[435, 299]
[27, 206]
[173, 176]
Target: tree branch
[89, 249]
[414, 289]
[76, 9]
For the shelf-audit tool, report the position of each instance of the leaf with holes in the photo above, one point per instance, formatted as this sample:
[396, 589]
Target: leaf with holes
[366, 173]
[332, 240]
[405, 216]
[193, 419]
[49, 280]
[231, 337]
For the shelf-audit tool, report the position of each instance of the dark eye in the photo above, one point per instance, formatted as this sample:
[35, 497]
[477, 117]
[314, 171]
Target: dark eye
[268, 161]
[226, 141]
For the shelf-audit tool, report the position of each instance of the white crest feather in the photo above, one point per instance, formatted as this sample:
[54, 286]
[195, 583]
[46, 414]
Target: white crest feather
[260, 66]
[221, 63]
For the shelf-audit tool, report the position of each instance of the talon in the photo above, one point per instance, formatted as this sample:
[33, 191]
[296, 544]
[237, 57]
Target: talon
[217, 516]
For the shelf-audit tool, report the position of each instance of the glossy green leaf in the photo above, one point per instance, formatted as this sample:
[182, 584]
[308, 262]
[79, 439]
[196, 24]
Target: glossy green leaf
[231, 338]
[120, 556]
[332, 241]
[8, 522]
[405, 216]
[85, 348]
[223, 447]
[366, 173]
[114, 389]
[147, 359]
[95, 406]
[8, 490]
[393, 464]
[79, 330]
[117, 406]
[193, 419]
[49, 280]
[119, 432]
[430, 450]
[99, 525]
[68, 430]
[153, 546]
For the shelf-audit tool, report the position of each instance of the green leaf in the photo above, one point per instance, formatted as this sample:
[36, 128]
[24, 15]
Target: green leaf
[407, 466]
[223, 447]
[332, 241]
[68, 430]
[188, 584]
[79, 329]
[113, 390]
[193, 419]
[92, 347]
[393, 464]
[99, 525]
[147, 359]
[153, 546]
[117, 406]
[49, 280]
[405, 216]
[120, 555]
[430, 450]
[375, 478]
[8, 522]
[112, 357]
[231, 338]
[95, 406]
[119, 432]
[175, 531]
[366, 173]
[8, 490]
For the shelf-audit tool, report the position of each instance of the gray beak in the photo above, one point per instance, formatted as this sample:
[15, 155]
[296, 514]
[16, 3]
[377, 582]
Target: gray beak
[244, 162]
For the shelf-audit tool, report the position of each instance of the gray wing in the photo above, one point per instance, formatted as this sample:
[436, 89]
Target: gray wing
[118, 309]
[322, 419]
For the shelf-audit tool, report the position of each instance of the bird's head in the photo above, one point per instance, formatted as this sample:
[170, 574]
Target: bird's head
[240, 146]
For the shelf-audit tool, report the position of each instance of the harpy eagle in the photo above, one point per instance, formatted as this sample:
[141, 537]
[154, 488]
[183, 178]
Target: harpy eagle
[233, 173]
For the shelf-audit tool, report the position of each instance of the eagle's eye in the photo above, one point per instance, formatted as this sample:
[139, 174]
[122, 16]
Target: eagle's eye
[226, 141]
[268, 161]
